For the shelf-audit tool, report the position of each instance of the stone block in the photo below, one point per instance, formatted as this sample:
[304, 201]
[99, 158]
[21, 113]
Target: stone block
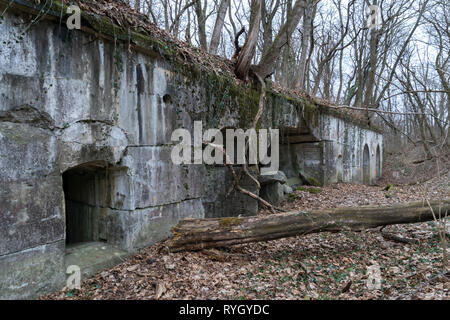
[273, 193]
[272, 177]
[30, 273]
[132, 230]
[157, 180]
[31, 213]
[215, 200]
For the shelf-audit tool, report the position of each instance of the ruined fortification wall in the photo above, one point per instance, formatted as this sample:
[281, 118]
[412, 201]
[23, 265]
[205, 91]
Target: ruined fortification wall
[92, 118]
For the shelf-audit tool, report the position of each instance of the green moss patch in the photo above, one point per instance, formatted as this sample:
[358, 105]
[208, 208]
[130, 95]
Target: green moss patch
[310, 189]
[230, 221]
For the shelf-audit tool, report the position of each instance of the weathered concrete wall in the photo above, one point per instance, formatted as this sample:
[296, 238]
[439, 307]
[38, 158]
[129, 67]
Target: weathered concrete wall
[69, 99]
[63, 104]
[331, 151]
[343, 150]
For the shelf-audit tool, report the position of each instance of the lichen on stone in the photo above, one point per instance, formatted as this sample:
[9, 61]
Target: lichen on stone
[230, 221]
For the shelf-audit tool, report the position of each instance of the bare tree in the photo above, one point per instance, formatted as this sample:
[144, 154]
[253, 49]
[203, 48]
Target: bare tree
[268, 60]
[248, 50]
[307, 29]
[200, 12]
[220, 20]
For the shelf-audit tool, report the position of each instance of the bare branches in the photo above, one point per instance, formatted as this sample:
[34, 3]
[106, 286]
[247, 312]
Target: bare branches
[267, 62]
[325, 49]
[179, 15]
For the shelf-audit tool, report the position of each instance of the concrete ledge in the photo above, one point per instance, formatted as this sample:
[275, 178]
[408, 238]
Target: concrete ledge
[133, 230]
[93, 257]
[30, 273]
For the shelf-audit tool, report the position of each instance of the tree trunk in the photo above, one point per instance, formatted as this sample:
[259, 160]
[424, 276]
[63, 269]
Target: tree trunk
[268, 14]
[267, 63]
[373, 62]
[201, 24]
[195, 234]
[248, 50]
[306, 36]
[215, 38]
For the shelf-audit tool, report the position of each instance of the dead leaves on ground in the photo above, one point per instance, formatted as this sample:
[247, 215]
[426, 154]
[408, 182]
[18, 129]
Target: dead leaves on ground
[316, 266]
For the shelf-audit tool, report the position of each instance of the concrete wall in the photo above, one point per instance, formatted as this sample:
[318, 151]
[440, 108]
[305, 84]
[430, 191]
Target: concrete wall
[331, 151]
[64, 104]
[343, 150]
[69, 99]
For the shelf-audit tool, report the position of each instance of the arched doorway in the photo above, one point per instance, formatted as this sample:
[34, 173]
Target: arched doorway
[85, 201]
[91, 243]
[378, 164]
[366, 165]
[339, 169]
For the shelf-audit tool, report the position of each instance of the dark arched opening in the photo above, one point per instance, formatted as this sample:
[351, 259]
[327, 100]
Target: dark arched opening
[339, 169]
[366, 165]
[378, 163]
[85, 201]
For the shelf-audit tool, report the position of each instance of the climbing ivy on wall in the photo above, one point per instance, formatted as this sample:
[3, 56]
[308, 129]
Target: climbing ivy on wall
[118, 65]
[220, 92]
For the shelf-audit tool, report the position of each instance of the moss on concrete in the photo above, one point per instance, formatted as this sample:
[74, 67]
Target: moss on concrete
[313, 182]
[230, 221]
[310, 190]
[242, 98]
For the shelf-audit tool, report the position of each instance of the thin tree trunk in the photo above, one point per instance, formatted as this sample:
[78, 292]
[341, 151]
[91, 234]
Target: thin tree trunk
[248, 50]
[373, 61]
[217, 32]
[307, 26]
[195, 234]
[201, 24]
[268, 15]
[267, 63]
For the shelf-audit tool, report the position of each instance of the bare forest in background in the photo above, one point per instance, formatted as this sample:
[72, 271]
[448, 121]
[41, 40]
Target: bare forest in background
[396, 75]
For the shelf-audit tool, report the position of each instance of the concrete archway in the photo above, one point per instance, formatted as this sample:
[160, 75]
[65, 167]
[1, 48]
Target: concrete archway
[339, 169]
[87, 198]
[366, 165]
[85, 202]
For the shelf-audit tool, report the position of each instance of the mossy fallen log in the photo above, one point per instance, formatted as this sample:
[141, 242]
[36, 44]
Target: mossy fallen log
[196, 234]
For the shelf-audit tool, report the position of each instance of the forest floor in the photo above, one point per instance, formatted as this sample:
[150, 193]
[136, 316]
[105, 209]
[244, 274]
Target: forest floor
[316, 266]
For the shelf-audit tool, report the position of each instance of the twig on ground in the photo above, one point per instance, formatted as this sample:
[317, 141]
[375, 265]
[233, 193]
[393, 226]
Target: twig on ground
[393, 237]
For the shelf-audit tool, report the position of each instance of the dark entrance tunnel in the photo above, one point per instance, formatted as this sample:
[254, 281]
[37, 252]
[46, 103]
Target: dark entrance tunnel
[87, 198]
[378, 163]
[85, 201]
[366, 165]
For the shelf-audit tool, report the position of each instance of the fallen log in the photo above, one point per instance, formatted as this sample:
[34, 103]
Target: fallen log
[196, 234]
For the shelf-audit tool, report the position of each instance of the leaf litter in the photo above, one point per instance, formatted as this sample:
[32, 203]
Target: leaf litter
[315, 266]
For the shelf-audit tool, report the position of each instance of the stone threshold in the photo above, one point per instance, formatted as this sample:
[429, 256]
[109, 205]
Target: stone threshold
[93, 257]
